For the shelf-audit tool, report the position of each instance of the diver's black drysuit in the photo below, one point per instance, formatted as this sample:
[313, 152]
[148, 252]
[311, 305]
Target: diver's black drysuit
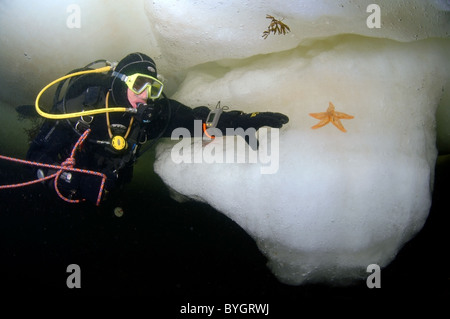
[56, 139]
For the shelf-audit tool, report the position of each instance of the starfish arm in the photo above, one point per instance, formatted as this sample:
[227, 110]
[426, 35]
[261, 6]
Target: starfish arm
[339, 125]
[341, 115]
[319, 116]
[321, 123]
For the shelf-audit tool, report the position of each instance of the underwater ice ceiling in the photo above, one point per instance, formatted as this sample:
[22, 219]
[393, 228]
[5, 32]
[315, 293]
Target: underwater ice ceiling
[331, 202]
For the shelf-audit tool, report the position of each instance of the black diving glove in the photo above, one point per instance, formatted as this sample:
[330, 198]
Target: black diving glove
[147, 112]
[260, 119]
[255, 120]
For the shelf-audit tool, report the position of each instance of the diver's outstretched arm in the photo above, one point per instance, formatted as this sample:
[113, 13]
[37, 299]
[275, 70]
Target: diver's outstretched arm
[184, 116]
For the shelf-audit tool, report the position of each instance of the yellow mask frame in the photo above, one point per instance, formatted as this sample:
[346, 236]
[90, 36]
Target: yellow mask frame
[139, 82]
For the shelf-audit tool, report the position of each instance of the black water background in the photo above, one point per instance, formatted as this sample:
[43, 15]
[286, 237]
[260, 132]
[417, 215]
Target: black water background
[179, 251]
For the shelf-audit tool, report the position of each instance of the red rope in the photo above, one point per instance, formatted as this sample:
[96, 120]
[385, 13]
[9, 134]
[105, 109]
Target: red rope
[67, 165]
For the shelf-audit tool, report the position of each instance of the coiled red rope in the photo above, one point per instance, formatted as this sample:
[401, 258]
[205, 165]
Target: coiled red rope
[67, 165]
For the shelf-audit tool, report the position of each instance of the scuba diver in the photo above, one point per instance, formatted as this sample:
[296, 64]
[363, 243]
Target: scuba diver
[117, 139]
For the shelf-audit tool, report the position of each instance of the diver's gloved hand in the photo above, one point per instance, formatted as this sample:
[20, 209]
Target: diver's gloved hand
[147, 112]
[260, 119]
[253, 120]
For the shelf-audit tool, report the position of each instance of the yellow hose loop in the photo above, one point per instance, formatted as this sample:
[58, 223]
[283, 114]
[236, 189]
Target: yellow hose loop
[108, 124]
[75, 114]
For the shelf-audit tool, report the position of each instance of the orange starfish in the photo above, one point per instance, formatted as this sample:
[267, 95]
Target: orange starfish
[330, 116]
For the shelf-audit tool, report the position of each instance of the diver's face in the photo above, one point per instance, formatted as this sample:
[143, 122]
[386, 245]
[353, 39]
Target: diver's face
[137, 98]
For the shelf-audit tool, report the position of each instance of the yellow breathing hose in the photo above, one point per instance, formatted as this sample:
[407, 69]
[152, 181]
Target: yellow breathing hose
[76, 114]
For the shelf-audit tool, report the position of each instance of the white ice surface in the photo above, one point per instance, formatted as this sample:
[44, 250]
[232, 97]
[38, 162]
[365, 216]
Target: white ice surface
[339, 201]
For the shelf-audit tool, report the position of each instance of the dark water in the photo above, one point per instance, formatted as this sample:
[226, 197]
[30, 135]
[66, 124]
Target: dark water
[177, 252]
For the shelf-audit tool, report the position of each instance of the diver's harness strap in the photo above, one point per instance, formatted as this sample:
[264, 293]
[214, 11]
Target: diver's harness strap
[83, 124]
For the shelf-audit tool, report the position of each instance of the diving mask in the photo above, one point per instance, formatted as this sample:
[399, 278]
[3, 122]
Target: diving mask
[139, 82]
